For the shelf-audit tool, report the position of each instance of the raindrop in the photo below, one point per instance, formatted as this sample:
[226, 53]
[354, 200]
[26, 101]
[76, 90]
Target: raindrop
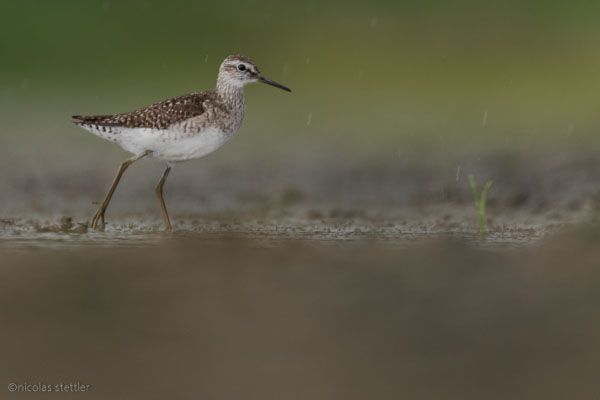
[571, 129]
[374, 22]
[309, 119]
[485, 118]
[307, 60]
[206, 59]
[458, 171]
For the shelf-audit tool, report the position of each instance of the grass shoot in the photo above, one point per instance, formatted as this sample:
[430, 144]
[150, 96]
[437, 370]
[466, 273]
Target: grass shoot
[480, 201]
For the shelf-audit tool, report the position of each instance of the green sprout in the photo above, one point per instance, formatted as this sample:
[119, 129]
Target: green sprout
[480, 200]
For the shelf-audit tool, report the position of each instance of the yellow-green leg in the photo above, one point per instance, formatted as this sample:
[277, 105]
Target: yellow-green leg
[159, 194]
[97, 221]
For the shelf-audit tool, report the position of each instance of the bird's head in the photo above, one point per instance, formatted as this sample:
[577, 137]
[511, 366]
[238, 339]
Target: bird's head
[238, 71]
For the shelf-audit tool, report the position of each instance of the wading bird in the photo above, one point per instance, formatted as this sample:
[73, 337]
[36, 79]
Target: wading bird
[178, 129]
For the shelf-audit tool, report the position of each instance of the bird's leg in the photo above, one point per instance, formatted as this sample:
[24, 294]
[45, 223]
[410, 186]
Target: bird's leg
[98, 218]
[159, 194]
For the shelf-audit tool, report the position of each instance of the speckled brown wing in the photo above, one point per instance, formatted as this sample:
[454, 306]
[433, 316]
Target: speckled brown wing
[157, 116]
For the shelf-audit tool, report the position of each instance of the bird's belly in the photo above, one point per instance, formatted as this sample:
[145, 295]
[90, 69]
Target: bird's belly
[173, 145]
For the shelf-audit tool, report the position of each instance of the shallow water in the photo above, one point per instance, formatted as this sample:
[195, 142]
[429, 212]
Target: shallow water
[220, 316]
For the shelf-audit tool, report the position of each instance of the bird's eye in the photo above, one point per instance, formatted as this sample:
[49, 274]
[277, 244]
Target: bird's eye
[241, 67]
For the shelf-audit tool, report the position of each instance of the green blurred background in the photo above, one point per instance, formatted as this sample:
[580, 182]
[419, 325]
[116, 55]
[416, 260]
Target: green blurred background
[392, 101]
[375, 78]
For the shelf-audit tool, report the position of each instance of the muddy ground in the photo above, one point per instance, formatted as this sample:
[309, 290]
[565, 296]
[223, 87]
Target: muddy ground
[349, 281]
[322, 198]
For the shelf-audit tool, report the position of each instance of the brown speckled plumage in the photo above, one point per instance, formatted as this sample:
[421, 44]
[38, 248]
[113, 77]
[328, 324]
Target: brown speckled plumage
[160, 115]
[226, 99]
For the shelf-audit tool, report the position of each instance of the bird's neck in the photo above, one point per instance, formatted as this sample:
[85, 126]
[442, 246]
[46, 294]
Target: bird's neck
[232, 95]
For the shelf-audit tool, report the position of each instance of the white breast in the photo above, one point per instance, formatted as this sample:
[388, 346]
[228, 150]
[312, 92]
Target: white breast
[172, 145]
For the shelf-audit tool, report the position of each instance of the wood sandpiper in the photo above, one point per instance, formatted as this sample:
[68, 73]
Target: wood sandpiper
[178, 129]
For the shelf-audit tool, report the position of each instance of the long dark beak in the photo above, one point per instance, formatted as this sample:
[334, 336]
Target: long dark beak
[273, 83]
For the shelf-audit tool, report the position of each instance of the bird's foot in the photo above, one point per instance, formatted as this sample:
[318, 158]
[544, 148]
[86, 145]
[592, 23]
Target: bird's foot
[97, 221]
